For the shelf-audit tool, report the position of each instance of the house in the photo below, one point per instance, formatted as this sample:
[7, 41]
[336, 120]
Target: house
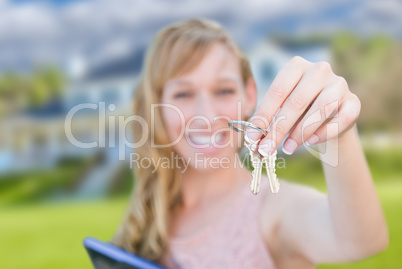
[37, 139]
[269, 56]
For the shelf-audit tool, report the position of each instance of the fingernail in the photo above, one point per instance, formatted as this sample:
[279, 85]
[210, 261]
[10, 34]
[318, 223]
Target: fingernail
[266, 147]
[312, 140]
[289, 147]
[252, 135]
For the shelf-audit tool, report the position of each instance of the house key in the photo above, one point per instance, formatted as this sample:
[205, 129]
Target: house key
[258, 161]
[270, 168]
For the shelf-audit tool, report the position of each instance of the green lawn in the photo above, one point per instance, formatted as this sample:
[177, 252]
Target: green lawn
[50, 236]
[39, 235]
[31, 187]
[391, 200]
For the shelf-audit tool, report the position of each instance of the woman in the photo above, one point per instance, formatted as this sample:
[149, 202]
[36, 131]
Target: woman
[198, 211]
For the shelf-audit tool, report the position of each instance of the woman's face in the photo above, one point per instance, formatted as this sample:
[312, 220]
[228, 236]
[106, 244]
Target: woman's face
[198, 105]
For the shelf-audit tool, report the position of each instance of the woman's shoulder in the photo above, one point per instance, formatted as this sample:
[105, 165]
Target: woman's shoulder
[289, 191]
[291, 196]
[293, 191]
[276, 209]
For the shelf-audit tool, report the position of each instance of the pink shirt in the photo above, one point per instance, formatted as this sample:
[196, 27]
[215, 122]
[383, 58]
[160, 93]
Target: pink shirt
[233, 241]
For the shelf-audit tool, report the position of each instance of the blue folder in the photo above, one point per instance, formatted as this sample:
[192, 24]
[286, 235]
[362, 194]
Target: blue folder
[107, 256]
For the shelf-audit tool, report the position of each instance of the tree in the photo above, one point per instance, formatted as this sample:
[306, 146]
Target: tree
[372, 68]
[19, 92]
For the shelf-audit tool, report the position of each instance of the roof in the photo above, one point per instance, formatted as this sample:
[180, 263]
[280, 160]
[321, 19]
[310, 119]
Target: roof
[129, 65]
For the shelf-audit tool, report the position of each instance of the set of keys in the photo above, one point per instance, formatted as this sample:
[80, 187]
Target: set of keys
[257, 160]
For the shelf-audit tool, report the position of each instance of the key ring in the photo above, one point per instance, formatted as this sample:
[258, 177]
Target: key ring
[247, 124]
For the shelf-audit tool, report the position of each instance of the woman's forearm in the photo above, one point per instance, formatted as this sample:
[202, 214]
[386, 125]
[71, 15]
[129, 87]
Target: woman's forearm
[354, 206]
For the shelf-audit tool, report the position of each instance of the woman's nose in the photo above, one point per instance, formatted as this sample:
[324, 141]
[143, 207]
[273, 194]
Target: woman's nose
[206, 107]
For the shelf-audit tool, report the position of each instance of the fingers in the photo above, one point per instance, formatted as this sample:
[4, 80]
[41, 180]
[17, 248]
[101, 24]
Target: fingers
[302, 101]
[309, 87]
[325, 106]
[283, 84]
[347, 115]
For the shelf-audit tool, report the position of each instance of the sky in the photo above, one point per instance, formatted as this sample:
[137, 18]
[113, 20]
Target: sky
[56, 31]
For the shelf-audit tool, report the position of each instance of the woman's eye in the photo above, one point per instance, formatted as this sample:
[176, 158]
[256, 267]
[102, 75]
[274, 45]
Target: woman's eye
[181, 95]
[225, 91]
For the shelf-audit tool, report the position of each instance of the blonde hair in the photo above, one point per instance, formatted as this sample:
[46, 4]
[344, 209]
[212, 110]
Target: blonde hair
[176, 49]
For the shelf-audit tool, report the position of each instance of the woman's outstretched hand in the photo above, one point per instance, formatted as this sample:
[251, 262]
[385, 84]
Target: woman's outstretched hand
[311, 99]
[347, 223]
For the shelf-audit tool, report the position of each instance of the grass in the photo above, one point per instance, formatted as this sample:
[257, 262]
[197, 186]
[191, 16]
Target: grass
[22, 188]
[386, 169]
[50, 236]
[391, 200]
